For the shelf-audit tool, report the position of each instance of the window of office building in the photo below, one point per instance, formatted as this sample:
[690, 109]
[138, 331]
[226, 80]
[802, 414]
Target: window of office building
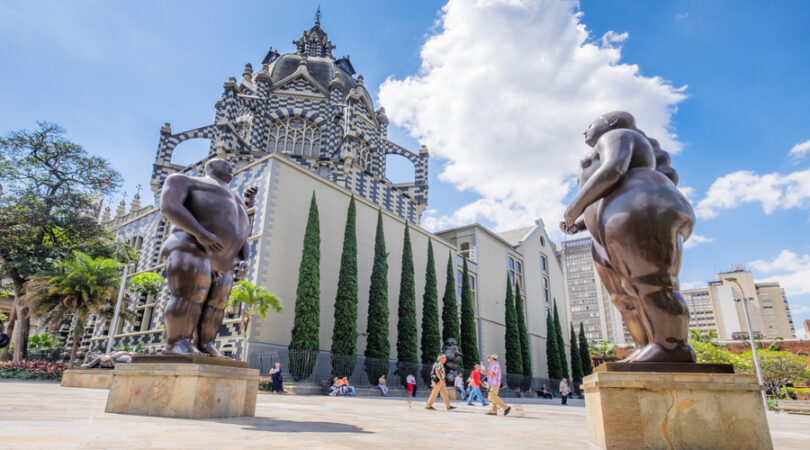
[515, 268]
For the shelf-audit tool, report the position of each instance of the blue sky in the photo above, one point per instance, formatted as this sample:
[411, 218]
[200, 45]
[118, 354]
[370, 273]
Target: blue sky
[723, 84]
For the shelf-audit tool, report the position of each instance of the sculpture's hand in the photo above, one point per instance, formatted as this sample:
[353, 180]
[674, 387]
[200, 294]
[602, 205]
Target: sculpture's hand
[573, 229]
[210, 241]
[240, 270]
[570, 217]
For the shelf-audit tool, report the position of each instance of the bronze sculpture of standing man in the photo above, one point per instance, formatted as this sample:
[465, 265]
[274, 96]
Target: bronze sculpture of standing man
[208, 241]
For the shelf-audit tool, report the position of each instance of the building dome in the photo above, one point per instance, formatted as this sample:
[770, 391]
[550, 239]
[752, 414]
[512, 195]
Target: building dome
[321, 69]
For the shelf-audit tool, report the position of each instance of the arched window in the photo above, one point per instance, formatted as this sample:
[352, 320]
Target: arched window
[362, 155]
[295, 136]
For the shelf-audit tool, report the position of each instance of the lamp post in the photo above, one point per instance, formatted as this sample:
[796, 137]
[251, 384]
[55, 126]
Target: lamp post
[114, 323]
[744, 301]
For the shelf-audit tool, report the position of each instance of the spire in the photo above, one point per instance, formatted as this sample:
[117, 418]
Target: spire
[314, 42]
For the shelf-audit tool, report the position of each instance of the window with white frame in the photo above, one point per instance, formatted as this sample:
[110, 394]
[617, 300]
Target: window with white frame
[515, 271]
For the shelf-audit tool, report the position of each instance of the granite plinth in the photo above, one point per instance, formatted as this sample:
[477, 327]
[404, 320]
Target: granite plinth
[183, 390]
[87, 378]
[634, 410]
[188, 359]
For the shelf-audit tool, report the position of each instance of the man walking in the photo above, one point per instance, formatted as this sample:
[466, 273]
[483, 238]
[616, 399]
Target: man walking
[439, 384]
[564, 391]
[459, 384]
[475, 386]
[494, 378]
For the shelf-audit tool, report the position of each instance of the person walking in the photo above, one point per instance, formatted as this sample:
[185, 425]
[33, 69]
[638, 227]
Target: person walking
[439, 384]
[475, 386]
[275, 376]
[382, 386]
[564, 391]
[411, 381]
[494, 378]
[459, 384]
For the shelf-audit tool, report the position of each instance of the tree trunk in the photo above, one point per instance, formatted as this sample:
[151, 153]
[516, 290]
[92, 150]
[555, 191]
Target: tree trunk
[21, 330]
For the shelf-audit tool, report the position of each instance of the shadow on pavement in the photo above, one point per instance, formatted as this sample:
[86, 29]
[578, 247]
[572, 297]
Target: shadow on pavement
[290, 426]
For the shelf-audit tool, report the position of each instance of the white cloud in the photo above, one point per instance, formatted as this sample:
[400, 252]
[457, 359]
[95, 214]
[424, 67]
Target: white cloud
[789, 269]
[799, 151]
[692, 285]
[505, 91]
[773, 191]
[697, 239]
[682, 16]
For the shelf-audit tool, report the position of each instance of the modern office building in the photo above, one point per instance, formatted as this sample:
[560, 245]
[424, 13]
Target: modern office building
[588, 300]
[716, 307]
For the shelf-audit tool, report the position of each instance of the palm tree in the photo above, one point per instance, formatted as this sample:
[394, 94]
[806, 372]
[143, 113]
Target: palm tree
[256, 299]
[604, 350]
[79, 286]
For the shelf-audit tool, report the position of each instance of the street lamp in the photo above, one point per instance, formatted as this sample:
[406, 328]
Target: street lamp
[750, 336]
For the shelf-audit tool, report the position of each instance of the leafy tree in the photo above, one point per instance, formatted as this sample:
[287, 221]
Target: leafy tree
[779, 368]
[48, 185]
[377, 346]
[708, 353]
[584, 352]
[696, 335]
[514, 362]
[552, 351]
[305, 341]
[469, 340]
[148, 283]
[605, 350]
[525, 351]
[248, 299]
[344, 335]
[42, 341]
[450, 319]
[407, 346]
[576, 362]
[79, 286]
[560, 343]
[431, 339]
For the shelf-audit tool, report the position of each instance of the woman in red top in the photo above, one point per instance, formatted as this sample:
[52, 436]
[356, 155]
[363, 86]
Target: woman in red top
[475, 386]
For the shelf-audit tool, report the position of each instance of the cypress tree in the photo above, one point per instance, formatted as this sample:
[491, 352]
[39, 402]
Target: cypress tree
[525, 351]
[406, 317]
[431, 339]
[584, 352]
[576, 361]
[307, 300]
[377, 346]
[450, 325]
[469, 340]
[514, 361]
[344, 335]
[552, 352]
[560, 343]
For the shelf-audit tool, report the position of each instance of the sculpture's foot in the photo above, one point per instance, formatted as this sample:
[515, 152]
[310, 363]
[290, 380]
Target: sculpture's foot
[181, 347]
[211, 350]
[656, 353]
[632, 356]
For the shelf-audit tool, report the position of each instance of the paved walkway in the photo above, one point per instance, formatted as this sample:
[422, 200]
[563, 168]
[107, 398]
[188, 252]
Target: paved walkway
[45, 415]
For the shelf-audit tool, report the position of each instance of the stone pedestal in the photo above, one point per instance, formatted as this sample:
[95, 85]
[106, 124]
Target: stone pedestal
[630, 410]
[192, 387]
[87, 378]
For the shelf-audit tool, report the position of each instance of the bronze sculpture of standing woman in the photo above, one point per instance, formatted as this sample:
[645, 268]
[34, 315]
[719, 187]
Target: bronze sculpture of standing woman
[638, 220]
[208, 241]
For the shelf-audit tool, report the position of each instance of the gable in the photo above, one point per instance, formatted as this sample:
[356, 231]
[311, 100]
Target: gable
[299, 86]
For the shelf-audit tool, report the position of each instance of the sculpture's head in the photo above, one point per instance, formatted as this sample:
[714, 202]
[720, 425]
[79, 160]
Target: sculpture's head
[607, 122]
[219, 169]
[451, 341]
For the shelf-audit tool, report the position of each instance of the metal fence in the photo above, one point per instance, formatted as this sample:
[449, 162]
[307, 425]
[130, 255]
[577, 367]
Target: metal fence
[317, 368]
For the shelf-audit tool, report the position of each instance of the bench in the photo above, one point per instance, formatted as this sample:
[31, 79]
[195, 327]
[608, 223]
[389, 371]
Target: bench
[793, 406]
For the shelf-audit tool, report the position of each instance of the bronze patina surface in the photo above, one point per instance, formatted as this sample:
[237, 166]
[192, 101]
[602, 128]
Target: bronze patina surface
[205, 252]
[638, 220]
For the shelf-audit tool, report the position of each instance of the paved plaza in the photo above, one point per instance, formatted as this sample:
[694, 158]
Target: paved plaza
[45, 415]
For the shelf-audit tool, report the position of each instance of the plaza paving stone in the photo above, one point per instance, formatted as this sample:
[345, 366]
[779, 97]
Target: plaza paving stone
[45, 415]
